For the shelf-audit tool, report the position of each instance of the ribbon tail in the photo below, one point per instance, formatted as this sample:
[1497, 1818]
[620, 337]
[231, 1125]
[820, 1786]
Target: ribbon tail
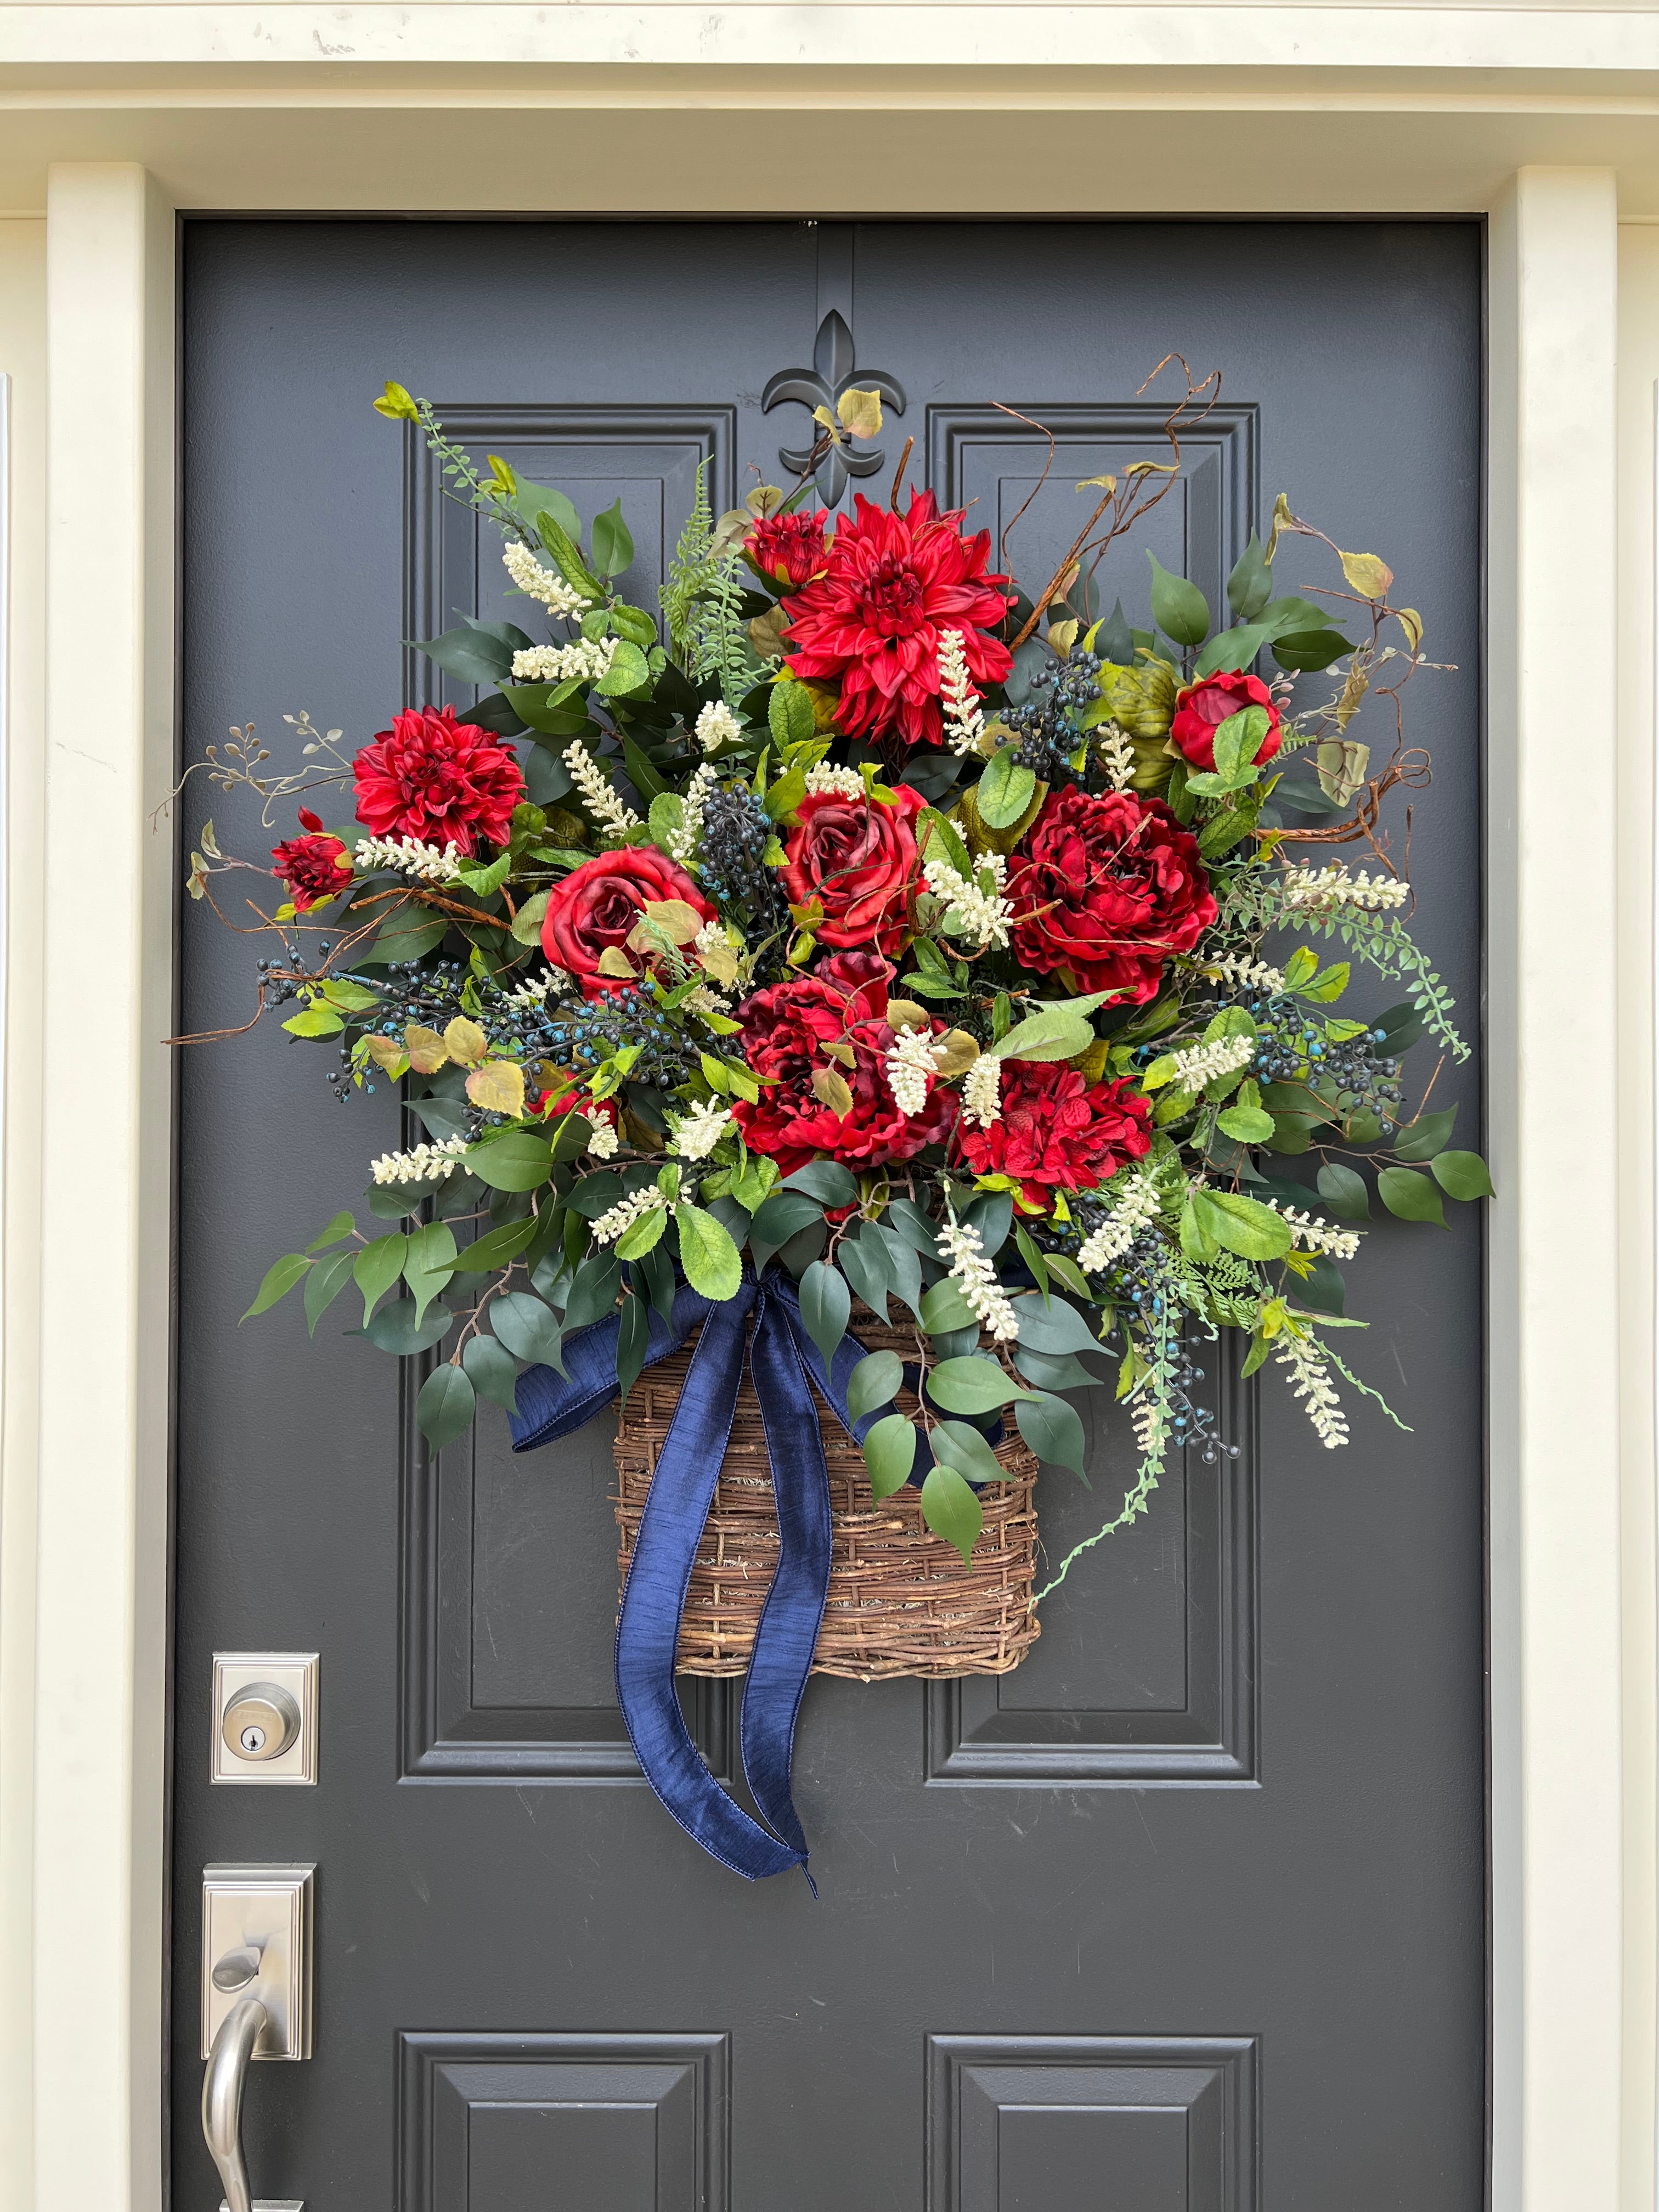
[552, 1405]
[787, 1632]
[647, 1632]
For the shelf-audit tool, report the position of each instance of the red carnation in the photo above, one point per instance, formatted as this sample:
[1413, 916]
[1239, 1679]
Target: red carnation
[872, 621]
[314, 868]
[442, 781]
[597, 904]
[1056, 1131]
[785, 1031]
[789, 548]
[857, 857]
[1203, 707]
[1106, 889]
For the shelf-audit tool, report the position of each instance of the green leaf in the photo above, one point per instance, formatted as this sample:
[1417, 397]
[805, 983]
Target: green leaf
[528, 1329]
[889, 1454]
[396, 1329]
[973, 1385]
[641, 1235]
[779, 1217]
[1057, 1033]
[1305, 651]
[963, 1447]
[1322, 1289]
[560, 543]
[484, 883]
[280, 1279]
[341, 1226]
[409, 933]
[1301, 968]
[863, 1259]
[1410, 1196]
[1256, 1355]
[594, 1293]
[629, 671]
[944, 1308]
[1237, 742]
[1329, 984]
[1053, 1430]
[519, 1160]
[1055, 1371]
[613, 545]
[1250, 583]
[633, 1340]
[951, 1509]
[324, 1284]
[826, 1306]
[377, 1267]
[825, 1180]
[1249, 1124]
[789, 714]
[1180, 609]
[1231, 649]
[875, 1380]
[1070, 1276]
[707, 1254]
[1425, 1136]
[472, 655]
[315, 1021]
[940, 827]
[492, 1371]
[1054, 1329]
[904, 1265]
[1344, 1192]
[905, 1216]
[1242, 1225]
[496, 1248]
[1461, 1175]
[1005, 790]
[446, 1405]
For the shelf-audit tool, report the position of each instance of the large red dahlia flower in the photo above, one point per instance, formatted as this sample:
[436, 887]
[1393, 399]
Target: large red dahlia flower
[892, 585]
[442, 781]
[1057, 1131]
[315, 867]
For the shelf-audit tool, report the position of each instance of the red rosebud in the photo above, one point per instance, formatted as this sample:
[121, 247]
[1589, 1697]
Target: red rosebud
[1202, 708]
[597, 904]
[1058, 1132]
[858, 857]
[1107, 888]
[437, 780]
[790, 548]
[314, 868]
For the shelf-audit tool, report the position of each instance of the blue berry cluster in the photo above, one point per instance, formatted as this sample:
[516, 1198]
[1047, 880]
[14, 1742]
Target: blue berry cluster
[1048, 725]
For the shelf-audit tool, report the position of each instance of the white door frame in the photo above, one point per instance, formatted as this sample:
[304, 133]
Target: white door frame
[84, 1508]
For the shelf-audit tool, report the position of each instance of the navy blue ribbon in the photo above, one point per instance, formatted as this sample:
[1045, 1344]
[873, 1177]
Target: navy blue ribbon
[785, 1362]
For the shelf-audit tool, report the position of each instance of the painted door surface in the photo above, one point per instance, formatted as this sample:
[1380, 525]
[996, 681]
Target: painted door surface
[1186, 1915]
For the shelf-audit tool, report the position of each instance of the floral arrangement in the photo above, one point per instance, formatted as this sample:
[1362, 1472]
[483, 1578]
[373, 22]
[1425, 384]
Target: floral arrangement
[860, 913]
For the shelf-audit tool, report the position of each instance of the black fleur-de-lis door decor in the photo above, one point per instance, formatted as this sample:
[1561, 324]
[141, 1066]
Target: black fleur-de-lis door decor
[834, 371]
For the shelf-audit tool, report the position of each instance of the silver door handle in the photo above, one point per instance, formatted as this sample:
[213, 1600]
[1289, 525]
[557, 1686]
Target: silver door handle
[221, 2097]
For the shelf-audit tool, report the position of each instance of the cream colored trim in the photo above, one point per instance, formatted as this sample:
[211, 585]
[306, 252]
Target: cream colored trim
[105, 1191]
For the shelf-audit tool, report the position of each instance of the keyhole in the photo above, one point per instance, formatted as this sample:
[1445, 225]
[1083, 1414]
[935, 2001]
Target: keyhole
[254, 1739]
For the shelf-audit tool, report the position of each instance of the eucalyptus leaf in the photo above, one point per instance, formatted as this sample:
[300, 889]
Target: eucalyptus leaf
[528, 1329]
[976, 1384]
[1180, 609]
[492, 1370]
[826, 1306]
[866, 1263]
[594, 1293]
[1345, 1193]
[280, 1278]
[944, 1308]
[324, 1284]
[1410, 1196]
[377, 1267]
[395, 1328]
[1053, 1430]
[1459, 1174]
[889, 1454]
[445, 1408]
[952, 1510]
[1422, 1139]
[875, 1380]
[517, 1160]
[827, 1181]
[1054, 1328]
[1055, 1371]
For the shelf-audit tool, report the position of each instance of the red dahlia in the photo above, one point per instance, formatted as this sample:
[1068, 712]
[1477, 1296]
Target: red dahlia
[789, 548]
[314, 868]
[442, 781]
[1056, 1131]
[871, 622]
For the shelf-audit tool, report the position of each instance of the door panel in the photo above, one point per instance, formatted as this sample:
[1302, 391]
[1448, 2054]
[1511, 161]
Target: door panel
[1185, 1915]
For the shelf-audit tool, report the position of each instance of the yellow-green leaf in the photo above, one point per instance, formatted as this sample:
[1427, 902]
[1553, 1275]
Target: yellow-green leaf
[395, 404]
[427, 1050]
[860, 412]
[497, 1086]
[465, 1042]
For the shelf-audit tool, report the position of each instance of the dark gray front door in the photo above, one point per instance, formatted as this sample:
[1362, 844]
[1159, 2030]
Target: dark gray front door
[1185, 1915]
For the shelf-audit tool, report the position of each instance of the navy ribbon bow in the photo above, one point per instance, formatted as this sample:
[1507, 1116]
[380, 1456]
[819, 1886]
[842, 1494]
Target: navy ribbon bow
[784, 1361]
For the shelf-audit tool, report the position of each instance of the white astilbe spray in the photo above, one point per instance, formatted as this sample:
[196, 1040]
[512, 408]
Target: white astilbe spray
[704, 1000]
[964, 724]
[835, 782]
[910, 1062]
[981, 1091]
[976, 1279]
[685, 839]
[541, 583]
[1135, 1208]
[598, 791]
[1151, 1425]
[696, 1133]
[409, 857]
[603, 1141]
[717, 725]
[984, 915]
[426, 1163]
[1314, 889]
[1117, 757]
[1248, 974]
[623, 1216]
[1198, 1065]
[587, 658]
[1304, 1357]
[534, 991]
[1313, 1233]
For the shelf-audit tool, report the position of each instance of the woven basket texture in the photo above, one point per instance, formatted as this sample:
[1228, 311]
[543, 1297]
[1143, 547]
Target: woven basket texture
[901, 1602]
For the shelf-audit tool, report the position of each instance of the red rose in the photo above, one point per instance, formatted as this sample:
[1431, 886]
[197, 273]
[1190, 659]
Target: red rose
[1201, 708]
[442, 781]
[859, 857]
[871, 622]
[1108, 888]
[597, 904]
[786, 1030]
[789, 548]
[1057, 1132]
[314, 868]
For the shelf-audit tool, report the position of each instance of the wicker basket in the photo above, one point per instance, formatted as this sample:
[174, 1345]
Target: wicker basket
[901, 1600]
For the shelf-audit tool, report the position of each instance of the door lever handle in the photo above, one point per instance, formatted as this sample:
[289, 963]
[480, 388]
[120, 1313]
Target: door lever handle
[221, 2097]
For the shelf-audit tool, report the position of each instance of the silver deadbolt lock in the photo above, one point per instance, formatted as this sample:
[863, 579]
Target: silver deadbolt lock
[265, 1716]
[261, 1721]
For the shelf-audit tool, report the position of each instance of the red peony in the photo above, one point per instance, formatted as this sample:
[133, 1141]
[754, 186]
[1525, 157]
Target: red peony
[597, 904]
[872, 621]
[314, 868]
[1106, 889]
[1203, 707]
[1058, 1132]
[858, 857]
[786, 1030]
[442, 781]
[789, 548]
